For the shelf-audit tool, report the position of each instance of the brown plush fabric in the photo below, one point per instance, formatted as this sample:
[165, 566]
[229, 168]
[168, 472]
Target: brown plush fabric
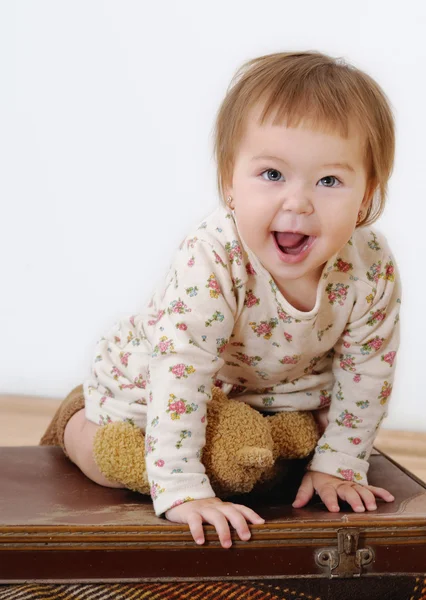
[54, 434]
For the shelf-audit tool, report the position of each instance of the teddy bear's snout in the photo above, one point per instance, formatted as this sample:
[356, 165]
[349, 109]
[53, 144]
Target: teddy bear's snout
[253, 456]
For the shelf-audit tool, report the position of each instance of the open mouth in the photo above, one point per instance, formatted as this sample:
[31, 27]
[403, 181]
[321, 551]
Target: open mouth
[292, 243]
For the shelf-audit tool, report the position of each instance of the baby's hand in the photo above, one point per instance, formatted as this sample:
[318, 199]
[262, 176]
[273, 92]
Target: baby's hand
[329, 488]
[217, 513]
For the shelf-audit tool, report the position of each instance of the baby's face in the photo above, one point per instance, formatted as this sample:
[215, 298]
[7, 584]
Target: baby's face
[296, 190]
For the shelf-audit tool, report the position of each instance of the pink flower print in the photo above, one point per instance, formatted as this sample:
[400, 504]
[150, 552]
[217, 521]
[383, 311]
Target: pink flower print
[376, 316]
[221, 344]
[104, 420]
[164, 346]
[337, 293]
[347, 474]
[181, 501]
[203, 419]
[191, 242]
[249, 269]
[102, 401]
[117, 340]
[251, 299]
[117, 373]
[288, 336]
[150, 442]
[389, 273]
[389, 358]
[180, 370]
[214, 286]
[124, 358]
[357, 378]
[157, 318]
[290, 360]
[234, 252]
[385, 393]
[218, 383]
[285, 317]
[347, 362]
[218, 260]
[178, 407]
[159, 463]
[156, 490]
[178, 307]
[126, 386]
[373, 272]
[346, 344]
[347, 419]
[355, 441]
[191, 262]
[140, 382]
[325, 398]
[342, 266]
[181, 326]
[373, 344]
[264, 329]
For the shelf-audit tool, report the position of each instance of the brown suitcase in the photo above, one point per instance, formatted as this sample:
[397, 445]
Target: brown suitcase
[58, 527]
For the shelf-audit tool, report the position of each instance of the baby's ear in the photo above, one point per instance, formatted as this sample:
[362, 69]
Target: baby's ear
[370, 189]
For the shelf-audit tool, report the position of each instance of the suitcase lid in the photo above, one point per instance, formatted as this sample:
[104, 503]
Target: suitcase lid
[46, 503]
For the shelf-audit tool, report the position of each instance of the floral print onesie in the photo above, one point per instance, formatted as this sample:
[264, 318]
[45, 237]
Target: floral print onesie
[220, 319]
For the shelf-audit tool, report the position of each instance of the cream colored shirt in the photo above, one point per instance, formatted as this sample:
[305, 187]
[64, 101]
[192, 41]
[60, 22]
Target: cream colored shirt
[219, 319]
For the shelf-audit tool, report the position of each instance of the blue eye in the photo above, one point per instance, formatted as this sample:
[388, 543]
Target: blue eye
[271, 171]
[276, 172]
[330, 177]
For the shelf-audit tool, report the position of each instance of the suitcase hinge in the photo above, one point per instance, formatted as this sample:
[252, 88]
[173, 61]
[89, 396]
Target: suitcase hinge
[347, 560]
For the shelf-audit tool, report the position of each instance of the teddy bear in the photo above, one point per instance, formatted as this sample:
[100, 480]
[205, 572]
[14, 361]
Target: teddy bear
[243, 450]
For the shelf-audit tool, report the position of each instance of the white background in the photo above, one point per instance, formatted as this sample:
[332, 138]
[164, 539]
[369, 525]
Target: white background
[106, 117]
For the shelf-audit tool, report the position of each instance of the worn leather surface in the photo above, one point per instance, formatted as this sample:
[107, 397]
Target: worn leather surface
[57, 525]
[40, 486]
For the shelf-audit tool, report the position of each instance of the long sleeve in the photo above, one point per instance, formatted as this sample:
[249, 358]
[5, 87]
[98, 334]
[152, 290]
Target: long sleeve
[193, 325]
[117, 389]
[363, 368]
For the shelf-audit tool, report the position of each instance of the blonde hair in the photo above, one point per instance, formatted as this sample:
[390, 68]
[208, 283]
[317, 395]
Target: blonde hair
[327, 91]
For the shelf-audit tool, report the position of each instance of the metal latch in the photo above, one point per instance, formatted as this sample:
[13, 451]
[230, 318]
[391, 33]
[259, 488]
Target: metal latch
[347, 560]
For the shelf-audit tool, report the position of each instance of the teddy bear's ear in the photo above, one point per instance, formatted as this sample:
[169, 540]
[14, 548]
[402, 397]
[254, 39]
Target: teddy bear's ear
[218, 395]
[253, 456]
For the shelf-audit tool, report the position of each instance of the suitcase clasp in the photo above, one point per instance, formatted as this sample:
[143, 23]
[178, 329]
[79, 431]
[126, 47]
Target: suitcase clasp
[347, 560]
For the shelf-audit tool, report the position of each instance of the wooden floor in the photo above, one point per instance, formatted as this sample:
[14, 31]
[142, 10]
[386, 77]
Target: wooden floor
[23, 420]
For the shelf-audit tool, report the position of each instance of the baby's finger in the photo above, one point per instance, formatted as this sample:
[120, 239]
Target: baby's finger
[304, 493]
[219, 522]
[195, 523]
[237, 521]
[249, 514]
[381, 493]
[367, 496]
[350, 495]
[329, 496]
